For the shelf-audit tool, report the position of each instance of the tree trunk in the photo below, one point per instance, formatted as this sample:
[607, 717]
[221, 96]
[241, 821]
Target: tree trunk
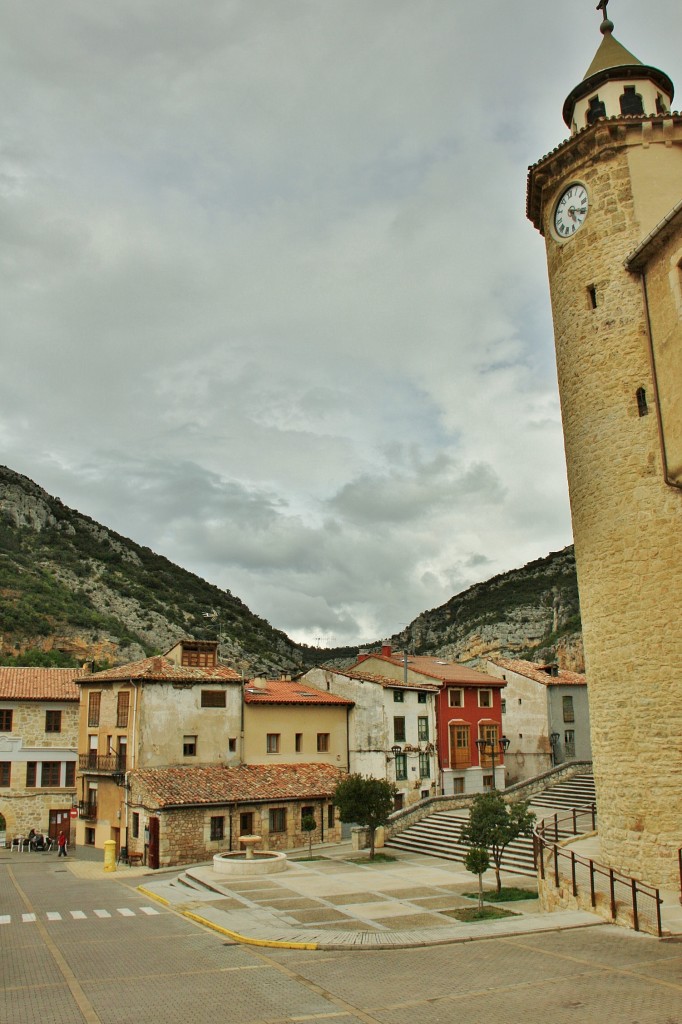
[371, 843]
[480, 892]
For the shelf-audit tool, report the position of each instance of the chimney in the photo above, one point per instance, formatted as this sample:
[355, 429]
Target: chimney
[363, 655]
[385, 650]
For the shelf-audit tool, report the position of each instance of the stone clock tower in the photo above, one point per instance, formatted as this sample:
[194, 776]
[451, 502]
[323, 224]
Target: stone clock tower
[608, 202]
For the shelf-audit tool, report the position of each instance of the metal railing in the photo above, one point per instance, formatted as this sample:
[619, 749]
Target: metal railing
[110, 763]
[87, 810]
[557, 864]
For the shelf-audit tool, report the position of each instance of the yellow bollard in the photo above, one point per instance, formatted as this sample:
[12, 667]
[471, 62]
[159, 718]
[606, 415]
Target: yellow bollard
[109, 855]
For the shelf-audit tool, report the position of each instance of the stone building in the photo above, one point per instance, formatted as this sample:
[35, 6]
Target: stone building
[545, 716]
[38, 736]
[607, 201]
[189, 814]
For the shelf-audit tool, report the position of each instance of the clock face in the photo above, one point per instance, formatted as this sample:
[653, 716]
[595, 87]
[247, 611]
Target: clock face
[571, 211]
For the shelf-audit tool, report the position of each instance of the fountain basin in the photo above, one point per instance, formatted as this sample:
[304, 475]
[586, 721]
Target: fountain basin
[263, 863]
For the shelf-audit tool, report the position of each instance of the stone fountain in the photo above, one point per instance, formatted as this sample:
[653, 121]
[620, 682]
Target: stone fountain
[250, 861]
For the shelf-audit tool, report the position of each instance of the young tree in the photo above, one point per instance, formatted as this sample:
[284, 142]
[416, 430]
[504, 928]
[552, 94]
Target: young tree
[365, 801]
[477, 861]
[308, 824]
[493, 824]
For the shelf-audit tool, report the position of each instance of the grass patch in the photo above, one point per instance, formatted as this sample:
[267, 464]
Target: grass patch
[304, 860]
[508, 895]
[474, 914]
[379, 858]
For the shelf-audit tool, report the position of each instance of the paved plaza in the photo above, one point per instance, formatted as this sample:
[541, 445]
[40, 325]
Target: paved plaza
[80, 945]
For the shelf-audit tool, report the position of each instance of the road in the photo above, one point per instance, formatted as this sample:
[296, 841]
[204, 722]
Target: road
[73, 950]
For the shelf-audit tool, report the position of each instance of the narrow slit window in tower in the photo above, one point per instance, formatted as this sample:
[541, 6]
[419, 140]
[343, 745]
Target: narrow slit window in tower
[596, 110]
[631, 101]
[642, 407]
[592, 293]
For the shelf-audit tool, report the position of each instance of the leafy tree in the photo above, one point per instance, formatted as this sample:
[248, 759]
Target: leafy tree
[308, 824]
[477, 862]
[365, 801]
[493, 824]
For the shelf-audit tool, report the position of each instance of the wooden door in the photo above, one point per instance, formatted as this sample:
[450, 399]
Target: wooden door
[60, 821]
[153, 850]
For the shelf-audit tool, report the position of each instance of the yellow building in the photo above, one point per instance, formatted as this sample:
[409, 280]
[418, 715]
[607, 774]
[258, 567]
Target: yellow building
[608, 203]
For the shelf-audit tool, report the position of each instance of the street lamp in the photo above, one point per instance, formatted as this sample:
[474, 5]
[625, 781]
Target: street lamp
[554, 739]
[488, 748]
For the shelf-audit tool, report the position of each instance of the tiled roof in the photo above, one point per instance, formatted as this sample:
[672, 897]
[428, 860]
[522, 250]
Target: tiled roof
[160, 669]
[284, 691]
[386, 681]
[531, 670]
[39, 683]
[215, 784]
[434, 668]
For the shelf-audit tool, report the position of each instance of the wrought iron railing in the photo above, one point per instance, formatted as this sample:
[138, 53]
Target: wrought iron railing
[87, 810]
[111, 763]
[559, 865]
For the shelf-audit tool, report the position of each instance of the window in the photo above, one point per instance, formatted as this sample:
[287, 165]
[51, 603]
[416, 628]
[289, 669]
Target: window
[50, 772]
[642, 405]
[398, 696]
[89, 837]
[504, 706]
[213, 699]
[122, 709]
[94, 701]
[193, 654]
[232, 745]
[217, 828]
[569, 743]
[298, 743]
[5, 721]
[421, 698]
[278, 819]
[567, 705]
[53, 721]
[399, 730]
[189, 746]
[5, 773]
[488, 731]
[592, 295]
[307, 812]
[330, 816]
[485, 698]
[246, 823]
[425, 794]
[631, 101]
[30, 774]
[272, 744]
[122, 753]
[423, 728]
[596, 110]
[424, 766]
[460, 748]
[70, 773]
[455, 698]
[487, 783]
[136, 825]
[322, 742]
[401, 766]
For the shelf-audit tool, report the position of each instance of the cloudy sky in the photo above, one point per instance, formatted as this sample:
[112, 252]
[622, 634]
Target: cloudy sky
[270, 304]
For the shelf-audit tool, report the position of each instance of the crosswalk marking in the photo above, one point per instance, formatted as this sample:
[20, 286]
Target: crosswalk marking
[80, 915]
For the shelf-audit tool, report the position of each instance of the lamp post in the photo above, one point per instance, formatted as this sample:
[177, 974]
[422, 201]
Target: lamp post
[554, 739]
[488, 748]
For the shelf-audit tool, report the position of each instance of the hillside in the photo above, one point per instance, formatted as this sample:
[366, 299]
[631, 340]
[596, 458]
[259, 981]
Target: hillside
[532, 613]
[68, 584]
[79, 591]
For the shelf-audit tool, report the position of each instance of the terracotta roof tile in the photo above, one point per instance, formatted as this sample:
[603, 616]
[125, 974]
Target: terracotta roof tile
[435, 668]
[39, 683]
[161, 669]
[215, 784]
[284, 691]
[531, 670]
[386, 681]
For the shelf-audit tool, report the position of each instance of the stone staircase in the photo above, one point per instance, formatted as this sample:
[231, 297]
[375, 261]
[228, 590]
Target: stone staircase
[439, 834]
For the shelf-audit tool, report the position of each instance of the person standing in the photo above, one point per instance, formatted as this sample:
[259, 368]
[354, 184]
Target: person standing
[61, 844]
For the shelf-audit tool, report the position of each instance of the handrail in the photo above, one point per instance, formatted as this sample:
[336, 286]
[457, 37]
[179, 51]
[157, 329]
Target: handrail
[633, 887]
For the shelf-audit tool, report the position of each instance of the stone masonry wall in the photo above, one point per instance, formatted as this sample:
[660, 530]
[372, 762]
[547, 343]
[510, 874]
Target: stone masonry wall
[627, 522]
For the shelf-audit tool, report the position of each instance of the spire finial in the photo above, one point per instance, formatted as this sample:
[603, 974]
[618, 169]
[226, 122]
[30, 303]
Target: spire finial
[607, 25]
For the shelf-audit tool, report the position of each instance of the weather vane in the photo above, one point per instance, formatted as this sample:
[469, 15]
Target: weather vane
[602, 5]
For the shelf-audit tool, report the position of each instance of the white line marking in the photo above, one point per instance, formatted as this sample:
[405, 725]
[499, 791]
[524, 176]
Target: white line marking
[149, 910]
[102, 913]
[77, 915]
[124, 912]
[52, 915]
[27, 918]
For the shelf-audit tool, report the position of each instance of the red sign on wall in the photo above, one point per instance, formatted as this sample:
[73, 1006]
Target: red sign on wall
[74, 812]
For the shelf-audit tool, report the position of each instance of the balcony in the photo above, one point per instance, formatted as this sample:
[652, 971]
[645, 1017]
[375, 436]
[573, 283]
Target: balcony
[102, 764]
[87, 810]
